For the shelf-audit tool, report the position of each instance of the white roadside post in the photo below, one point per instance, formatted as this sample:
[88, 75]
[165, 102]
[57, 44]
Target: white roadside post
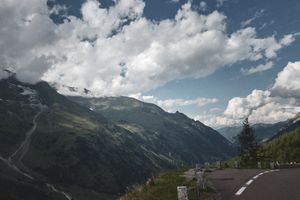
[218, 165]
[202, 180]
[236, 164]
[198, 183]
[182, 193]
[207, 165]
[198, 167]
[272, 165]
[259, 165]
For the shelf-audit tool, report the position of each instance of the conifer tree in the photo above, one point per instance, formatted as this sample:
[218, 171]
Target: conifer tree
[248, 145]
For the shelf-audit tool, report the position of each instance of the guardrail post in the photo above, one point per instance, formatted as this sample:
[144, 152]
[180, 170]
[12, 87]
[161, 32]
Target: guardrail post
[182, 193]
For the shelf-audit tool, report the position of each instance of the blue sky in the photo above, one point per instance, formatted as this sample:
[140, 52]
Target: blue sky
[281, 17]
[217, 61]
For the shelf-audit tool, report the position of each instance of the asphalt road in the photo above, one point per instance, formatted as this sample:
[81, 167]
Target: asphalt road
[255, 185]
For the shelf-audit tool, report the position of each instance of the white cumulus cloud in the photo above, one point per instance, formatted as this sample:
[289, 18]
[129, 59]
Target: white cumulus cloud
[279, 103]
[117, 51]
[26, 32]
[287, 83]
[258, 68]
[172, 105]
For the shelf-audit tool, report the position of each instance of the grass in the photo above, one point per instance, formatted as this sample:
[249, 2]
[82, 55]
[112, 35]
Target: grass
[164, 187]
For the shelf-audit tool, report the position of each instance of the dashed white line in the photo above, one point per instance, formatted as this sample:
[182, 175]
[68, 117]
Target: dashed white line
[242, 189]
[250, 181]
[255, 177]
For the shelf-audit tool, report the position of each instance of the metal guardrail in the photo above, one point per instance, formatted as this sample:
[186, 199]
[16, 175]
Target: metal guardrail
[288, 166]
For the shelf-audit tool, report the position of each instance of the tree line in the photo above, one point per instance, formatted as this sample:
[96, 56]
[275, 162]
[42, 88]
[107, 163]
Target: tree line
[283, 149]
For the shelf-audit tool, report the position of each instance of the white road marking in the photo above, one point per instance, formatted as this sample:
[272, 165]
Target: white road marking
[242, 189]
[255, 177]
[250, 181]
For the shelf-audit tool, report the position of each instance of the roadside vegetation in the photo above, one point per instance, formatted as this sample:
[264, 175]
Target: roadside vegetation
[282, 149]
[164, 187]
[285, 148]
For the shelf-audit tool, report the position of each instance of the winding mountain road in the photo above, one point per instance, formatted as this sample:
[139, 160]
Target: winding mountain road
[238, 184]
[15, 160]
[17, 156]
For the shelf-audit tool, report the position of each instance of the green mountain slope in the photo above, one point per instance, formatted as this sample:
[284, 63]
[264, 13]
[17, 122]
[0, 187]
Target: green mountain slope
[290, 125]
[174, 135]
[284, 148]
[64, 149]
[72, 147]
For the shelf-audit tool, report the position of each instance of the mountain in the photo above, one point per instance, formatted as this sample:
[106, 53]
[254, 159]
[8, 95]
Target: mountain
[290, 125]
[284, 148]
[263, 132]
[71, 147]
[55, 148]
[230, 132]
[70, 90]
[173, 135]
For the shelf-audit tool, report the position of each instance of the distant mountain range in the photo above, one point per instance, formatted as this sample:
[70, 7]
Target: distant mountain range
[263, 132]
[54, 147]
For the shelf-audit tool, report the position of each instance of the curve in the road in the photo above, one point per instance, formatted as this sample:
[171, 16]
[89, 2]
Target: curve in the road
[242, 189]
